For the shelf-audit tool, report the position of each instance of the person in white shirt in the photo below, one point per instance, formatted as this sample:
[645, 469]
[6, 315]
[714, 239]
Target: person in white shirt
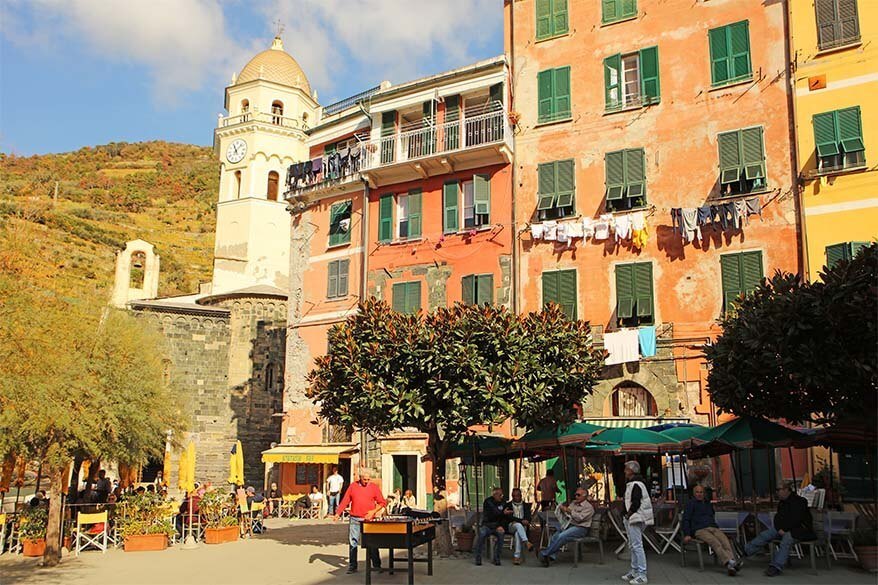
[409, 500]
[334, 485]
[316, 497]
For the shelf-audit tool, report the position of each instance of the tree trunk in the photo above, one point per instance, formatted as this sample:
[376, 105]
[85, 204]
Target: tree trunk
[52, 556]
[73, 488]
[437, 450]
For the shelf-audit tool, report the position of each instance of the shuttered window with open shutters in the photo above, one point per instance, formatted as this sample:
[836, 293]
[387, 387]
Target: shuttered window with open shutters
[556, 189]
[625, 179]
[741, 273]
[845, 251]
[634, 294]
[340, 223]
[559, 287]
[553, 95]
[385, 218]
[619, 94]
[838, 23]
[742, 161]
[730, 53]
[838, 140]
[407, 297]
[477, 289]
[414, 209]
[450, 207]
[388, 142]
[552, 19]
[616, 10]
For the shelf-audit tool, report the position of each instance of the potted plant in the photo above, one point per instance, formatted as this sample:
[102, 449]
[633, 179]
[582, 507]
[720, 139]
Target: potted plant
[34, 521]
[144, 523]
[218, 514]
[866, 547]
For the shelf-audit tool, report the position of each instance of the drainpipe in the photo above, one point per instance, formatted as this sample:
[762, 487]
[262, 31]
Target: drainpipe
[516, 256]
[364, 254]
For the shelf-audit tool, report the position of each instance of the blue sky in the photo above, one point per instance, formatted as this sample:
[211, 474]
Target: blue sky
[76, 73]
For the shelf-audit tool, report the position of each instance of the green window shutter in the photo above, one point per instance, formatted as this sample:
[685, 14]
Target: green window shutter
[399, 294]
[629, 8]
[828, 31]
[495, 93]
[731, 279]
[751, 270]
[835, 254]
[415, 213]
[565, 182]
[562, 92]
[848, 21]
[643, 289]
[484, 289]
[550, 288]
[468, 290]
[413, 297]
[559, 17]
[729, 157]
[544, 19]
[546, 186]
[451, 216]
[337, 213]
[857, 246]
[482, 194]
[388, 123]
[332, 280]
[850, 130]
[624, 291]
[635, 172]
[753, 153]
[649, 75]
[329, 149]
[613, 82]
[615, 171]
[343, 270]
[611, 10]
[427, 110]
[385, 218]
[452, 108]
[719, 55]
[739, 43]
[567, 292]
[545, 95]
[825, 134]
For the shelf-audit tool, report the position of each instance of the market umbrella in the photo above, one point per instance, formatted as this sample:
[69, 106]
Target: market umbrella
[166, 465]
[746, 432]
[186, 470]
[549, 440]
[236, 464]
[484, 446]
[631, 440]
[683, 434]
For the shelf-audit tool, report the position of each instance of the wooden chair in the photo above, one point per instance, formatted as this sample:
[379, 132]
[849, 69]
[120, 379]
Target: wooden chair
[667, 526]
[594, 537]
[257, 524]
[618, 524]
[84, 539]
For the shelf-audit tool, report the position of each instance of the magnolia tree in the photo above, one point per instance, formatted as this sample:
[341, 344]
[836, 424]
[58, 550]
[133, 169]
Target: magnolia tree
[445, 371]
[802, 351]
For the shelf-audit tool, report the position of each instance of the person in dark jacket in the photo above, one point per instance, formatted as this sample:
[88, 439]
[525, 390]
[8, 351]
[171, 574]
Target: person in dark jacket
[792, 523]
[519, 523]
[495, 522]
[699, 521]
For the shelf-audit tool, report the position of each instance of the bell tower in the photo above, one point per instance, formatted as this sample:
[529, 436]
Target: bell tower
[269, 106]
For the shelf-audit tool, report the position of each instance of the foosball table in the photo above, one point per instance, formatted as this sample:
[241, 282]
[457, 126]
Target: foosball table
[399, 532]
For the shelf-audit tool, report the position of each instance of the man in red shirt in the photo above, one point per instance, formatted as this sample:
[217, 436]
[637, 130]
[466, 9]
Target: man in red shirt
[365, 500]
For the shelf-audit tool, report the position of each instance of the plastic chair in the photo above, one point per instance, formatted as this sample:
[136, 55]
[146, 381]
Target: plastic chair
[2, 533]
[619, 524]
[667, 526]
[594, 537]
[84, 539]
[840, 526]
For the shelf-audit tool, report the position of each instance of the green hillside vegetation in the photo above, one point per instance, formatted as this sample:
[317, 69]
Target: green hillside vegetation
[160, 192]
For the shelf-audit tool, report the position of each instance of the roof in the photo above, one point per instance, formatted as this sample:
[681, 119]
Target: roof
[259, 290]
[178, 305]
[275, 65]
[325, 453]
[633, 422]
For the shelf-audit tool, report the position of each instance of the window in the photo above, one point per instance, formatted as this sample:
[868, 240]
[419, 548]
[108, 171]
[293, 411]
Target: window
[452, 122]
[630, 399]
[556, 186]
[551, 18]
[559, 287]
[407, 297]
[385, 218]
[408, 215]
[837, 23]
[277, 112]
[846, 251]
[337, 281]
[634, 298]
[477, 289]
[307, 474]
[340, 223]
[616, 10]
[838, 136]
[388, 142]
[856, 470]
[476, 209]
[730, 53]
[741, 273]
[237, 184]
[553, 89]
[625, 179]
[741, 162]
[245, 110]
[272, 185]
[631, 80]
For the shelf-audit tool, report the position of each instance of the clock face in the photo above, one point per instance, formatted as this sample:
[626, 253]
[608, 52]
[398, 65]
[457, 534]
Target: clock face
[236, 151]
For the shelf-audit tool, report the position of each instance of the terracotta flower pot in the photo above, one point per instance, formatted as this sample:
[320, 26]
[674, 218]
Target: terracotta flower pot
[868, 556]
[33, 548]
[146, 542]
[220, 535]
[465, 541]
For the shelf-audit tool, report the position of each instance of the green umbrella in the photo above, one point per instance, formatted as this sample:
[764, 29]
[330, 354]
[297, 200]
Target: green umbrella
[631, 440]
[684, 433]
[548, 439]
[485, 447]
[746, 432]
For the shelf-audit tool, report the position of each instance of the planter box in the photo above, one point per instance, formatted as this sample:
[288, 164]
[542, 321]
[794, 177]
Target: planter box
[220, 535]
[868, 556]
[465, 541]
[33, 548]
[146, 542]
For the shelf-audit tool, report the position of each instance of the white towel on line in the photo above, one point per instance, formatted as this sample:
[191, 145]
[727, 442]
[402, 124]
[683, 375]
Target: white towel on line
[623, 346]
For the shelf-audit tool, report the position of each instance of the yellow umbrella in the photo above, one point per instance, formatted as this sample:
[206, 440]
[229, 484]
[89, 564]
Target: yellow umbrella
[166, 465]
[191, 462]
[186, 481]
[236, 464]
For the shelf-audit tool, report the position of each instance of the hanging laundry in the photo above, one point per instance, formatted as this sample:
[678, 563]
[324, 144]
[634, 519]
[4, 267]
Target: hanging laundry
[622, 346]
[691, 231]
[550, 231]
[741, 212]
[536, 231]
[716, 216]
[574, 230]
[727, 215]
[646, 337]
[754, 206]
[587, 227]
[676, 220]
[622, 227]
[601, 229]
[704, 216]
[561, 233]
[639, 232]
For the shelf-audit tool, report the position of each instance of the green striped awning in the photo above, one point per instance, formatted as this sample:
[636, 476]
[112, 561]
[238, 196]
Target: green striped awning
[638, 422]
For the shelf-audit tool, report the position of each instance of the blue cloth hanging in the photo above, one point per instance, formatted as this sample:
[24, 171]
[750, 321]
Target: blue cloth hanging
[646, 335]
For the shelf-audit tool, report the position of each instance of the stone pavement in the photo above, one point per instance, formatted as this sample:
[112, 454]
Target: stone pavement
[315, 552]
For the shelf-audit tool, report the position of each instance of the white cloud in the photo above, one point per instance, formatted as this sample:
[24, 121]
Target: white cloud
[181, 42]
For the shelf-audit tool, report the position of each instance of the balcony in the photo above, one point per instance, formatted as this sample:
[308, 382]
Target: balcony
[329, 174]
[268, 118]
[474, 140]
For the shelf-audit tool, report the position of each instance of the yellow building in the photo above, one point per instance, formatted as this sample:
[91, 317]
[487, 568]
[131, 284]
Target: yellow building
[834, 46]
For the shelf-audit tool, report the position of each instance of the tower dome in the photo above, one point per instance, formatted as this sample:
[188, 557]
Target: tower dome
[275, 65]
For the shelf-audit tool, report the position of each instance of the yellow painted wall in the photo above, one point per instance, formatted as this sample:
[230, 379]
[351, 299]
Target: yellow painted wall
[842, 207]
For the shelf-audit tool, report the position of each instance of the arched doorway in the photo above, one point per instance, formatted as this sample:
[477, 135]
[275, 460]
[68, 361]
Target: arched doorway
[630, 399]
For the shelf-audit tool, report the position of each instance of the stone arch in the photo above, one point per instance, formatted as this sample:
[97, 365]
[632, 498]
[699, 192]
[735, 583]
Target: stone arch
[138, 261]
[630, 399]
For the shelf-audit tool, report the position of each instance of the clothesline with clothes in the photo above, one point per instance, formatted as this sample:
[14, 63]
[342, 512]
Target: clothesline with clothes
[629, 226]
[330, 166]
[630, 344]
[729, 215]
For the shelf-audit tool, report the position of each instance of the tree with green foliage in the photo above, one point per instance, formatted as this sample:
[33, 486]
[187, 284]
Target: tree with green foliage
[802, 351]
[446, 371]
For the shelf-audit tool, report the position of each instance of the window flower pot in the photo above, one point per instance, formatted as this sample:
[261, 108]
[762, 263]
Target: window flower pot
[146, 542]
[33, 548]
[220, 535]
